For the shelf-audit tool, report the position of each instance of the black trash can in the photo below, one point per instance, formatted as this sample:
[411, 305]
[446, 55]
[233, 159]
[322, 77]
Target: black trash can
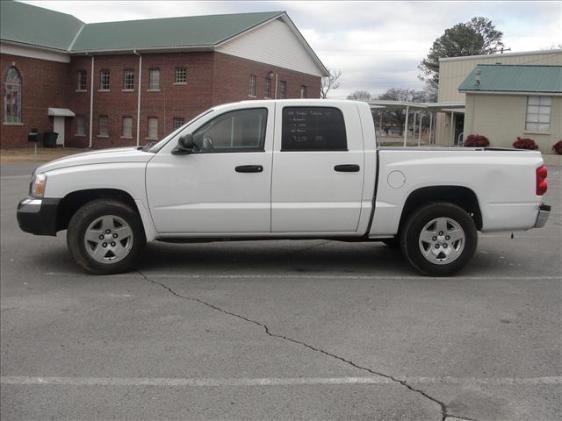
[33, 136]
[50, 139]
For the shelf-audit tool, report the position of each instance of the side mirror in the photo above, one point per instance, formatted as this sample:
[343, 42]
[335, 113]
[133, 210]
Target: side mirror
[185, 145]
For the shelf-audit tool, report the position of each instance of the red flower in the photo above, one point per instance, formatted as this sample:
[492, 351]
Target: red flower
[476, 141]
[558, 147]
[525, 143]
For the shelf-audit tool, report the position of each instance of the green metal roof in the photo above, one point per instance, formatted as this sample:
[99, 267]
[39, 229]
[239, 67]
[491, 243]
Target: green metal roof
[26, 24]
[192, 31]
[514, 78]
[23, 23]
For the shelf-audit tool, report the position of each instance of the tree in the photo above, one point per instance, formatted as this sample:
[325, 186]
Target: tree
[475, 37]
[330, 82]
[360, 96]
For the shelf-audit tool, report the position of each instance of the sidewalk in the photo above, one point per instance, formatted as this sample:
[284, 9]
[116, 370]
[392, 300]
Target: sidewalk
[43, 154]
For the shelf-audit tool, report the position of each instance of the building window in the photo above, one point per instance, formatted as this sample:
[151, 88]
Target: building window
[80, 125]
[154, 79]
[538, 113]
[104, 80]
[127, 127]
[304, 91]
[240, 130]
[282, 89]
[313, 129]
[104, 126]
[82, 80]
[178, 122]
[267, 89]
[12, 96]
[152, 128]
[128, 79]
[252, 86]
[181, 75]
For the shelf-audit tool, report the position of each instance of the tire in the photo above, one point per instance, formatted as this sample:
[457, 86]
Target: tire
[105, 237]
[439, 239]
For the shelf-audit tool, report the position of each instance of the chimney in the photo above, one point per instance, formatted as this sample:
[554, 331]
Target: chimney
[477, 77]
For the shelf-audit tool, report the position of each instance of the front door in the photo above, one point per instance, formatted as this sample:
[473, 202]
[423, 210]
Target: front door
[318, 168]
[221, 188]
[58, 127]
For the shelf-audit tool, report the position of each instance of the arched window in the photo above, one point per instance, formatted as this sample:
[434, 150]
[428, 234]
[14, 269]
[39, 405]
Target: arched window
[12, 96]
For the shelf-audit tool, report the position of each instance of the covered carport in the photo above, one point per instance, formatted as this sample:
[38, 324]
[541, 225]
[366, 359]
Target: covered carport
[415, 113]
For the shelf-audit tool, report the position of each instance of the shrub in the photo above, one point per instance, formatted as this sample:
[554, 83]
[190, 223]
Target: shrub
[525, 143]
[476, 141]
[557, 147]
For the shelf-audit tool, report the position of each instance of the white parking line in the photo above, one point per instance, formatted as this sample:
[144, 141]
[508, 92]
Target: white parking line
[271, 381]
[301, 276]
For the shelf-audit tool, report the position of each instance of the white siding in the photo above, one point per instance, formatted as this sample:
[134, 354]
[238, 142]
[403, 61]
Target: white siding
[273, 43]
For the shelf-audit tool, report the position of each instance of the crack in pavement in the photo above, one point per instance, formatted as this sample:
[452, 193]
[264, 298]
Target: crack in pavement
[443, 407]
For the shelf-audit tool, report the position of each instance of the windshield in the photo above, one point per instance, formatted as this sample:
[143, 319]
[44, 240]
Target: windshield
[156, 147]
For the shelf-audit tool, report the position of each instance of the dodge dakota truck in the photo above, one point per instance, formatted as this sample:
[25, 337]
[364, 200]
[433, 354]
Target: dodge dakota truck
[280, 169]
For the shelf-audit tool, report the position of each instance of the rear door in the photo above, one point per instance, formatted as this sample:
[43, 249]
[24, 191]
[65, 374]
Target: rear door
[318, 160]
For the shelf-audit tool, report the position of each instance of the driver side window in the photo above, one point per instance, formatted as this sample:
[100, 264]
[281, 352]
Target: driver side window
[234, 131]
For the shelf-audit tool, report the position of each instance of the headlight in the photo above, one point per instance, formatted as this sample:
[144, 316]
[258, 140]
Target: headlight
[38, 185]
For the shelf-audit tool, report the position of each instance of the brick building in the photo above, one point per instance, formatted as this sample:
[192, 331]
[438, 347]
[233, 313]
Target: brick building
[127, 83]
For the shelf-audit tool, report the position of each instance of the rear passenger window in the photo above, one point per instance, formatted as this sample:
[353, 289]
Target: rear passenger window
[234, 131]
[313, 129]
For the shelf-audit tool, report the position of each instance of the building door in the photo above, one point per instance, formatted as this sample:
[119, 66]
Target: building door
[58, 127]
[458, 125]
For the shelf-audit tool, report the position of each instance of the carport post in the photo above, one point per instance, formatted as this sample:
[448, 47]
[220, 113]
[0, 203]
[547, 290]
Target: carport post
[420, 129]
[406, 124]
[430, 126]
[452, 128]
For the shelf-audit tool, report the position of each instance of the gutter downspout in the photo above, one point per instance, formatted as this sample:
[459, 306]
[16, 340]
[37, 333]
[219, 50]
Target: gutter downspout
[139, 97]
[91, 140]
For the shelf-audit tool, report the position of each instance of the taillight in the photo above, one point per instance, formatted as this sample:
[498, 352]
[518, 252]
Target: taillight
[542, 184]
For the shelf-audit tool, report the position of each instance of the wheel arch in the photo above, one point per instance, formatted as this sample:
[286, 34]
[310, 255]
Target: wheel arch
[73, 201]
[461, 196]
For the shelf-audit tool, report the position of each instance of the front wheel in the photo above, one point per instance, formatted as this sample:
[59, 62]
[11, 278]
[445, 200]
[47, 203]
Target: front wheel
[105, 237]
[439, 239]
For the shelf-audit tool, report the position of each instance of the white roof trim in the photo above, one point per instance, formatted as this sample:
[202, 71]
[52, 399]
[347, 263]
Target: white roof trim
[60, 112]
[524, 53]
[521, 93]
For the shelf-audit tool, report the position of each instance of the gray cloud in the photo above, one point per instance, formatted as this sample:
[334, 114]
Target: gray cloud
[377, 45]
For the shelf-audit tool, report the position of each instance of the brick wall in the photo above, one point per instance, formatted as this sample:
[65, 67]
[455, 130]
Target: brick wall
[212, 78]
[43, 86]
[232, 75]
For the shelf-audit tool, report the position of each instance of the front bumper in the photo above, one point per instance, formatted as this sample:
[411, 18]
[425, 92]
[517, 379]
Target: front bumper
[38, 216]
[542, 216]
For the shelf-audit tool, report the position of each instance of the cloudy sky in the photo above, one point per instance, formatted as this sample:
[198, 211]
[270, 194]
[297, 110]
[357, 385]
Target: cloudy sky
[377, 45]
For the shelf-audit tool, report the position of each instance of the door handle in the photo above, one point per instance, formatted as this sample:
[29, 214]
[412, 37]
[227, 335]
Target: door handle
[249, 168]
[346, 168]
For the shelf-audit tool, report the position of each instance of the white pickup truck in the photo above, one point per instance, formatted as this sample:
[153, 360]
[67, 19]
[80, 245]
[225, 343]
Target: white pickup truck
[284, 169]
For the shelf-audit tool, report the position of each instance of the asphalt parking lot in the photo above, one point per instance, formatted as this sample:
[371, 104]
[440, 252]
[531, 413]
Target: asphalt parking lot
[280, 330]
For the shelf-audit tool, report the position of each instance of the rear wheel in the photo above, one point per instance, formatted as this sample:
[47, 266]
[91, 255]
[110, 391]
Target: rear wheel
[439, 239]
[105, 237]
